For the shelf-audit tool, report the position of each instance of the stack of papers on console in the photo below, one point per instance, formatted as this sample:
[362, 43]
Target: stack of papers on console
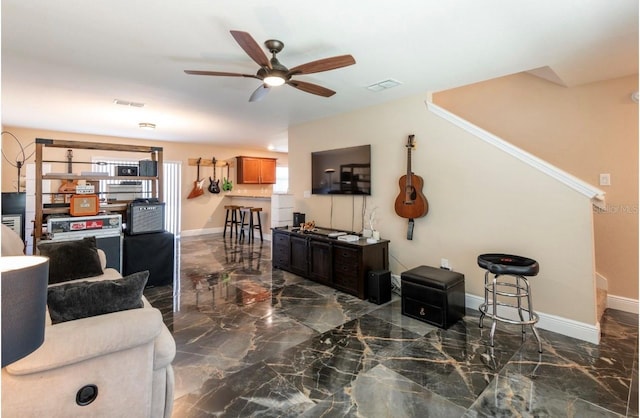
[348, 238]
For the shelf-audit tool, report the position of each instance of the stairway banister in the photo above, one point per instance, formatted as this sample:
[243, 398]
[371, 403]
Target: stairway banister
[595, 194]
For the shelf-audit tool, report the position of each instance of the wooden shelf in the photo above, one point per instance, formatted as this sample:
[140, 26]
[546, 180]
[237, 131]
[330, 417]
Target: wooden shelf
[154, 153]
[71, 176]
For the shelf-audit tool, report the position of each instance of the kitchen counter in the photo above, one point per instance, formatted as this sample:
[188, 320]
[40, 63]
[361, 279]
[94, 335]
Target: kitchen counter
[277, 208]
[248, 196]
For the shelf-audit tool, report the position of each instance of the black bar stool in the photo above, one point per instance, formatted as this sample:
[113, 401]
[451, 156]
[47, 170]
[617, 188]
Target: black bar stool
[501, 265]
[246, 222]
[231, 219]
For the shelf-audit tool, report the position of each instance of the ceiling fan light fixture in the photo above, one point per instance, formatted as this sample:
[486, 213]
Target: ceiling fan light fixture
[274, 80]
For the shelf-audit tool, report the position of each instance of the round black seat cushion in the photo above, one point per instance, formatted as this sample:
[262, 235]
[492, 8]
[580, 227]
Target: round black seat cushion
[508, 264]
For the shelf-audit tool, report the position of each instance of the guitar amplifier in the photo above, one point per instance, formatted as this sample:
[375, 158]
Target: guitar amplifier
[145, 216]
[84, 205]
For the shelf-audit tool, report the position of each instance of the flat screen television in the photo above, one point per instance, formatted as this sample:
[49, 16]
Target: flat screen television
[342, 171]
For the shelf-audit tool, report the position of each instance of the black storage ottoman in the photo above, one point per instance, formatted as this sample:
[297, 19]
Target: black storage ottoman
[433, 295]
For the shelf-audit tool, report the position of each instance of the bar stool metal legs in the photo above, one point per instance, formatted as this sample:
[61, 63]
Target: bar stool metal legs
[503, 267]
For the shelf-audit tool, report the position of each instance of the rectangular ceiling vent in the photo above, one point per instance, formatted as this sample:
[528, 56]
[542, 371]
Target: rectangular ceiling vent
[384, 85]
[127, 103]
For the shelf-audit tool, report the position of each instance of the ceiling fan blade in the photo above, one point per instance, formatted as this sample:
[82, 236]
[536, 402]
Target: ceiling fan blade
[220, 73]
[251, 47]
[311, 88]
[324, 64]
[259, 93]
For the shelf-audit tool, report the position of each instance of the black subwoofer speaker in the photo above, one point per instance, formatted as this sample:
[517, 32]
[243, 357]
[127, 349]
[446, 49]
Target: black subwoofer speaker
[379, 286]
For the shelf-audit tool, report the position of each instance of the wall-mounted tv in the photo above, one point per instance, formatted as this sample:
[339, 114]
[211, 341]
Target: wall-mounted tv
[342, 171]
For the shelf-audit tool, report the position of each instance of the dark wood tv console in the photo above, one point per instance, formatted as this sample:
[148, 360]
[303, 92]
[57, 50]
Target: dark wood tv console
[340, 264]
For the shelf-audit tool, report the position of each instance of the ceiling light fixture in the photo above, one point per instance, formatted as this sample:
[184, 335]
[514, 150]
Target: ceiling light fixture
[145, 125]
[274, 80]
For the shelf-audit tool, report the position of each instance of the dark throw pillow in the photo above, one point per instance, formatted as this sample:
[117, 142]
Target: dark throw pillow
[70, 260]
[84, 299]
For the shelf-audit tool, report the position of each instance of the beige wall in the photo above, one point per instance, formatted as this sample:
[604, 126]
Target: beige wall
[585, 130]
[203, 212]
[481, 200]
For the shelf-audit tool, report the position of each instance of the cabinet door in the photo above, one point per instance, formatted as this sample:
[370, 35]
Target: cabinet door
[347, 269]
[248, 170]
[268, 171]
[281, 251]
[299, 256]
[320, 261]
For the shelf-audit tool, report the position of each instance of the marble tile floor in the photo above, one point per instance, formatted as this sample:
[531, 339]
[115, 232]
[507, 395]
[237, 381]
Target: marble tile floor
[254, 341]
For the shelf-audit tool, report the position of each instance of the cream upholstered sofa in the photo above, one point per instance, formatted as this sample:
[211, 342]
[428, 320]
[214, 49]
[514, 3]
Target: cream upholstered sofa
[126, 355]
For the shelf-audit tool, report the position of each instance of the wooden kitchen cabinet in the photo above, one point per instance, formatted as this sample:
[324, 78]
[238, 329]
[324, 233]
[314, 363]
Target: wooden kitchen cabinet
[256, 170]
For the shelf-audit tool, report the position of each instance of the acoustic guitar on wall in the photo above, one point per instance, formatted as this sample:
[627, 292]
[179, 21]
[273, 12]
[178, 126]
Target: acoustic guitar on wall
[198, 185]
[68, 187]
[411, 202]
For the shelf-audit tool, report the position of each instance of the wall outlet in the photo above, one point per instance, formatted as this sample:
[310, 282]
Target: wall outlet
[307, 194]
[444, 264]
[605, 179]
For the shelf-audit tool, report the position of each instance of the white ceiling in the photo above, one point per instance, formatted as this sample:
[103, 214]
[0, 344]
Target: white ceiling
[64, 62]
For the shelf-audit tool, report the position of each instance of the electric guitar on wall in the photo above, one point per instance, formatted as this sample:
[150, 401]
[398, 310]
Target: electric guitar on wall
[227, 185]
[68, 187]
[411, 203]
[214, 185]
[197, 185]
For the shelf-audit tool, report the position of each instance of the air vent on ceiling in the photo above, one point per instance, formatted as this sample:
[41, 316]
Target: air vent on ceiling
[127, 103]
[384, 85]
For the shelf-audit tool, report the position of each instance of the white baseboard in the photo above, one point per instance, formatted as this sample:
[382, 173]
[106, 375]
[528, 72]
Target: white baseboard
[564, 326]
[197, 232]
[622, 304]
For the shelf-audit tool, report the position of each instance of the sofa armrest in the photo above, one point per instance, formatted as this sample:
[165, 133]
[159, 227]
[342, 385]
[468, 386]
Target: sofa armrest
[83, 339]
[165, 349]
[165, 345]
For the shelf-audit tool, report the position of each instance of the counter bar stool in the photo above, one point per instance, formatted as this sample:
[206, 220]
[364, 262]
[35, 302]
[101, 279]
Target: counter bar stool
[231, 219]
[501, 265]
[246, 222]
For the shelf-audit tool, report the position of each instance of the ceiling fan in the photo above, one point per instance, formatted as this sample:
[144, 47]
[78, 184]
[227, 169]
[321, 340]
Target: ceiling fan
[273, 74]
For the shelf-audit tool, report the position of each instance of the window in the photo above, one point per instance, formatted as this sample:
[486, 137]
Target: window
[282, 180]
[171, 186]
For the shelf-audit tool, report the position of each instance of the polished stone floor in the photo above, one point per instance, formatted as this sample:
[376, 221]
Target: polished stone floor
[253, 341]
